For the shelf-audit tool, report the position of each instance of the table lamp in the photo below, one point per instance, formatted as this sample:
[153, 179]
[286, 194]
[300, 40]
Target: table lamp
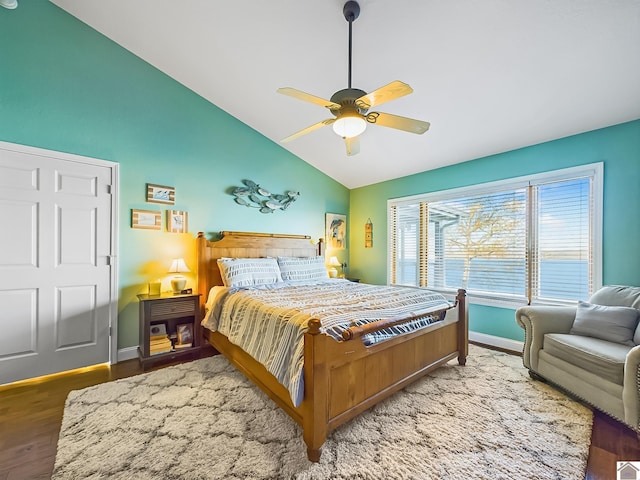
[178, 282]
[333, 271]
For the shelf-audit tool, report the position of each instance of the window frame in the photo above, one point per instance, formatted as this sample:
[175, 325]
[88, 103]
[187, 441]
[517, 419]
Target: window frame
[593, 170]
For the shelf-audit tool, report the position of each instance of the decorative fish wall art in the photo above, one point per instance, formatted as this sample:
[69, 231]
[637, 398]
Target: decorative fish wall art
[254, 196]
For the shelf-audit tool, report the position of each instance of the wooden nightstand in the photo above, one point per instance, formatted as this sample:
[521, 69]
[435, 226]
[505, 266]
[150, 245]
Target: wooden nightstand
[168, 314]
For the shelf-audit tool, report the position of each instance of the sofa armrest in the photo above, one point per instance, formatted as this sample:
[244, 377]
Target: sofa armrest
[538, 321]
[631, 388]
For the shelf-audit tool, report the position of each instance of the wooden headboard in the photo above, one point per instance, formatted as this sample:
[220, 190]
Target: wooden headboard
[247, 245]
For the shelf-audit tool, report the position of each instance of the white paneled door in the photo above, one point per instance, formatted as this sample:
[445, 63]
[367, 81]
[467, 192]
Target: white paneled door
[58, 292]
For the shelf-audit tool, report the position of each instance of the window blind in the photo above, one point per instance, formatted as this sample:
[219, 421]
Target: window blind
[562, 249]
[480, 243]
[405, 227]
[521, 241]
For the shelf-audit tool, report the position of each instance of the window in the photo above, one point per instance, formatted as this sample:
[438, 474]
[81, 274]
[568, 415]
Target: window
[534, 239]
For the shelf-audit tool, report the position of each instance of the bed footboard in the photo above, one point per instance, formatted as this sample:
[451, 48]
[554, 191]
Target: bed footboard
[342, 379]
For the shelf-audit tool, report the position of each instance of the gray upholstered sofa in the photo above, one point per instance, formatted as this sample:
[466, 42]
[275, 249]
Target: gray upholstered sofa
[591, 351]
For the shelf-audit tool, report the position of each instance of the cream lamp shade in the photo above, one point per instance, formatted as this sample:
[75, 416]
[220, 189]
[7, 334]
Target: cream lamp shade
[178, 282]
[333, 271]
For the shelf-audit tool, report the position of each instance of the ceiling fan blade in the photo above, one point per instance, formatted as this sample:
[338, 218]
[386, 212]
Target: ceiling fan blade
[391, 91]
[310, 129]
[307, 97]
[397, 122]
[353, 145]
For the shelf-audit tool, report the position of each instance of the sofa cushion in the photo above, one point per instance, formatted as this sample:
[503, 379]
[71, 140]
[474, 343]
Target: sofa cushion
[615, 324]
[619, 295]
[622, 296]
[600, 357]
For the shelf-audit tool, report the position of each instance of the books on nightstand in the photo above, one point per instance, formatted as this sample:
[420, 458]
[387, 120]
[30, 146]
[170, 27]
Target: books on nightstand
[159, 344]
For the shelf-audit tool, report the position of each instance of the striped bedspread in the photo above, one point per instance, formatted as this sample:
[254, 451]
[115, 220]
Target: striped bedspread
[269, 321]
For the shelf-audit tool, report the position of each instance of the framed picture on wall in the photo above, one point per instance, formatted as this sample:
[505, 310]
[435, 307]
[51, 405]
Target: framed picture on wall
[161, 194]
[336, 231]
[177, 221]
[146, 219]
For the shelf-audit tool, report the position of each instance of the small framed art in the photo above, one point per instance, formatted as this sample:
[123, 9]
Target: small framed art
[177, 221]
[146, 219]
[158, 330]
[336, 231]
[161, 194]
[185, 334]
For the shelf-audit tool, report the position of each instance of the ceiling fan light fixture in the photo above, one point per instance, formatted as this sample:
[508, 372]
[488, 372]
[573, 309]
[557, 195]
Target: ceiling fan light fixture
[349, 125]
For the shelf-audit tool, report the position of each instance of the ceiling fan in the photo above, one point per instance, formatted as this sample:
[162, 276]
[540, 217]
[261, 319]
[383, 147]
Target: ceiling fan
[351, 106]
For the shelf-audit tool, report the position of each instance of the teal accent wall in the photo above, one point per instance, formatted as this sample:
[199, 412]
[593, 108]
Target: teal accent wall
[66, 87]
[618, 147]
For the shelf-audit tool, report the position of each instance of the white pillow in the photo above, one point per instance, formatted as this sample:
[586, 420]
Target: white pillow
[246, 272]
[302, 268]
[615, 324]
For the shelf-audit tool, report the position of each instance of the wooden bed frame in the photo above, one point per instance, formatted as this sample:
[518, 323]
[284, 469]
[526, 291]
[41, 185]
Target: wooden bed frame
[341, 379]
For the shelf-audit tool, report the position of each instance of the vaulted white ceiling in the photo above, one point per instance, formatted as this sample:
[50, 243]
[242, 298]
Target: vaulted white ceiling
[490, 76]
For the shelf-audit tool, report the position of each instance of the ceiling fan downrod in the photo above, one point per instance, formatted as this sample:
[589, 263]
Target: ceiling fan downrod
[351, 11]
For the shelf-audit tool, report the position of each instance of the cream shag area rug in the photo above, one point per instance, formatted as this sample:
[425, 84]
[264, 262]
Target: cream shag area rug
[204, 420]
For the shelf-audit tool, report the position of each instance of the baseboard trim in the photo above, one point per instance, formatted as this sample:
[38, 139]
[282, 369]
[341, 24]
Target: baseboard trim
[128, 353]
[499, 342]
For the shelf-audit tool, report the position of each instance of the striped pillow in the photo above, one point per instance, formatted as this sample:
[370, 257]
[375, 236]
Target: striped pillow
[302, 268]
[246, 272]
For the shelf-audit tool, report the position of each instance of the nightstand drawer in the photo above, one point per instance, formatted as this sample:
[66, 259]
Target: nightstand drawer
[175, 307]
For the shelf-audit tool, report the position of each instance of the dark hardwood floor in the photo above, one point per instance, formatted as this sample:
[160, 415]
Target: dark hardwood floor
[31, 415]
